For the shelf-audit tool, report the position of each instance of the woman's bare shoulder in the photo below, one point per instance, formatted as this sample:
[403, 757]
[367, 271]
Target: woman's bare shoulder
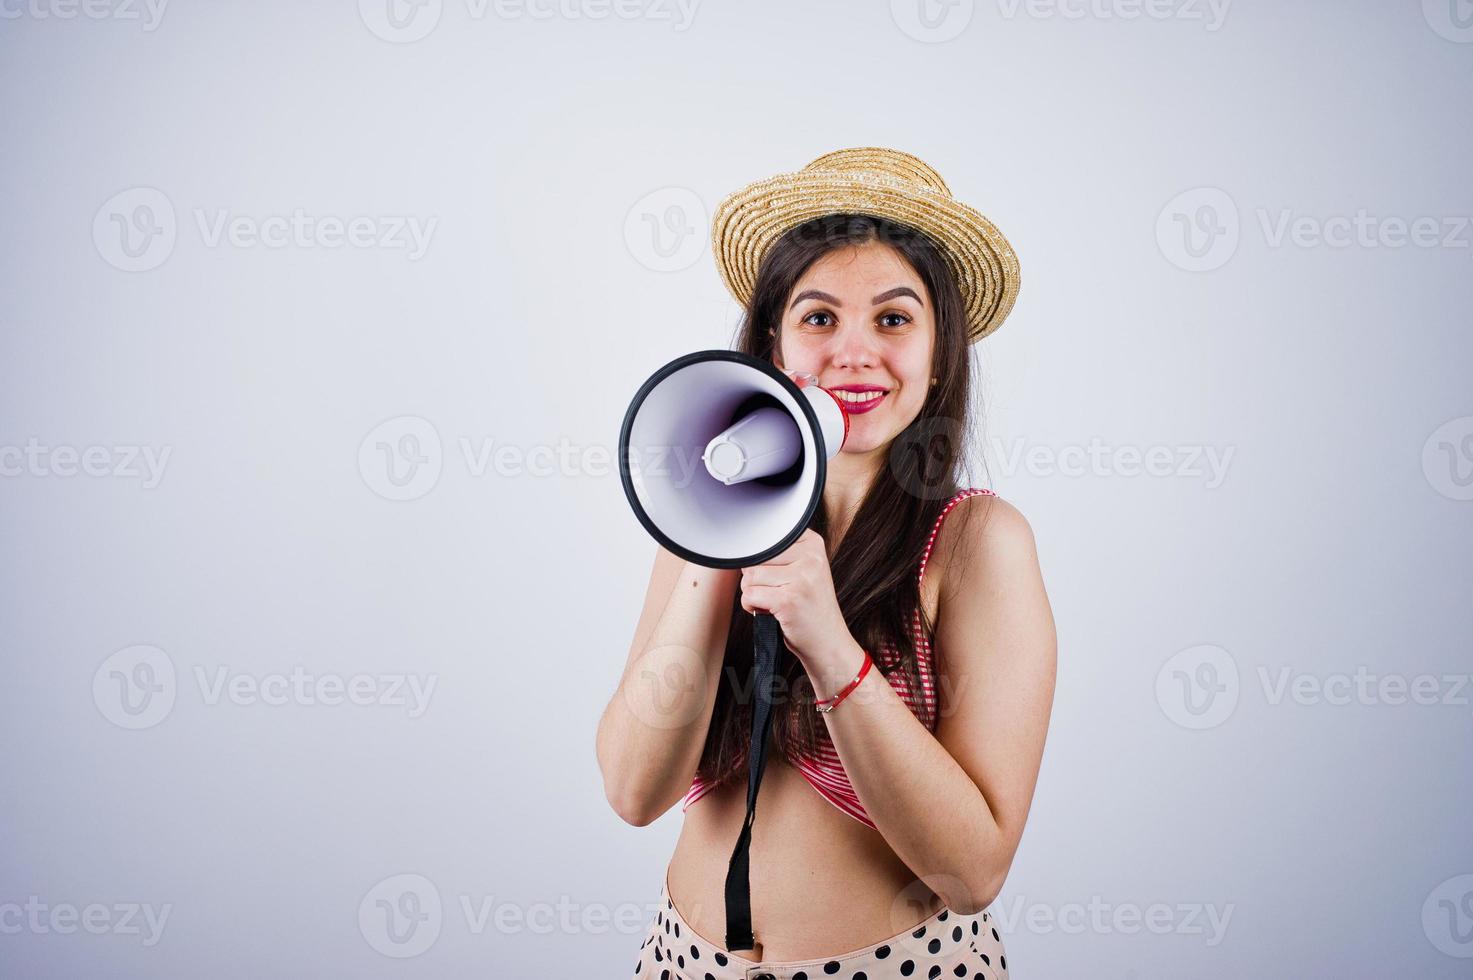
[983, 530]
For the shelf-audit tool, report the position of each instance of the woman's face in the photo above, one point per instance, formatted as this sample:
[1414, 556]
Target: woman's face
[860, 316]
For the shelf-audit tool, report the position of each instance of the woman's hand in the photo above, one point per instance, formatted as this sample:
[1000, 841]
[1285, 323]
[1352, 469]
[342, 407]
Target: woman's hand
[797, 587]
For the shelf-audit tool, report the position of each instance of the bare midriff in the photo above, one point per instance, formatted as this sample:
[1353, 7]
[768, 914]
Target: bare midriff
[822, 883]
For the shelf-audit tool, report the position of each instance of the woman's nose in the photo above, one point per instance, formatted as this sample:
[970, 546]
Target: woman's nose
[854, 349]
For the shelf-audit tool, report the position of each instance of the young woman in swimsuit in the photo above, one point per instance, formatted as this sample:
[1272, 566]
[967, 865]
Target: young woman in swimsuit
[888, 824]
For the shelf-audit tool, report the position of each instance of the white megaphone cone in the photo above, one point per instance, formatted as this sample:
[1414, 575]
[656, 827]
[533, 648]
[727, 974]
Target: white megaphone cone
[723, 456]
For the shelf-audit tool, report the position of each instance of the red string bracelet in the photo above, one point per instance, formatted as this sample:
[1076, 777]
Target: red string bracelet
[831, 703]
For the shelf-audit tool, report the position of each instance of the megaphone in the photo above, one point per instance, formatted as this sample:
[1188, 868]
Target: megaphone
[723, 458]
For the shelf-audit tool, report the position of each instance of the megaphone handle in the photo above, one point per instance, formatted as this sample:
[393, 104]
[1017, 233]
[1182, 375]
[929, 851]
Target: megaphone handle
[767, 649]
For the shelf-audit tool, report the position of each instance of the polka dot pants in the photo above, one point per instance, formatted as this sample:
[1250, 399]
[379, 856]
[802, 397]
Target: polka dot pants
[946, 945]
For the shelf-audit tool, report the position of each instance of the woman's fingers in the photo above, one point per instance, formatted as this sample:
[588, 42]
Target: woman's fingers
[765, 575]
[757, 598]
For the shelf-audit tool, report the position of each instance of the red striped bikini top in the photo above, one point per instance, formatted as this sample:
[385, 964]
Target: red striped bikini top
[823, 770]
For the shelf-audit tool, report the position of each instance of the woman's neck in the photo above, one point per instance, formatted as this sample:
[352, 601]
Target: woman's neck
[849, 478]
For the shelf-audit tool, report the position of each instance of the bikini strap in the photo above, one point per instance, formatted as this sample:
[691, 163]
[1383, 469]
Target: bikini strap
[936, 528]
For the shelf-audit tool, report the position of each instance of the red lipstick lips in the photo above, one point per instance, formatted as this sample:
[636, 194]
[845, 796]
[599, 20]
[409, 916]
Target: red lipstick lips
[864, 404]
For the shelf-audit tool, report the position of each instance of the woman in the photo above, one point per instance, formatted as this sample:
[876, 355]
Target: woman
[890, 815]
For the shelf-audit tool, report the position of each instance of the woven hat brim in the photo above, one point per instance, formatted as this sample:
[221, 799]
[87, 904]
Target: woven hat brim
[749, 220]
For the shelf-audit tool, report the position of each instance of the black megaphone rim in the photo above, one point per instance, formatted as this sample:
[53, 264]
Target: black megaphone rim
[814, 425]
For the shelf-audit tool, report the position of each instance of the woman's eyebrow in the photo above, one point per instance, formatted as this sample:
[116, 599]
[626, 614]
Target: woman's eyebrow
[897, 291]
[822, 296]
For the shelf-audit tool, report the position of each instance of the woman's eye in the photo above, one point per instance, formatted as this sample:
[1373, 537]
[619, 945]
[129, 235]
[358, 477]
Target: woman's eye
[888, 319]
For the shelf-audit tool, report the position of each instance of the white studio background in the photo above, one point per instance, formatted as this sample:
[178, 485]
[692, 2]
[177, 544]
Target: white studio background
[317, 323]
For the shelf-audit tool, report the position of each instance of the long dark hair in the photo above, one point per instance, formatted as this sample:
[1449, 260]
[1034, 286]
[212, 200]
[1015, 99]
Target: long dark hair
[874, 569]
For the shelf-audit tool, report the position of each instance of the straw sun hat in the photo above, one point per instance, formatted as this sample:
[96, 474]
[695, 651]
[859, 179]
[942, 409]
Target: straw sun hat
[879, 182]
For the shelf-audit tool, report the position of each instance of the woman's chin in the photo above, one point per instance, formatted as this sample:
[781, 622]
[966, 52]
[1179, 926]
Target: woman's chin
[859, 444]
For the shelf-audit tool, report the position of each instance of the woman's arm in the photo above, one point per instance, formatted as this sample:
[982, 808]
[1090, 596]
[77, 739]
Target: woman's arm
[652, 732]
[953, 804]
